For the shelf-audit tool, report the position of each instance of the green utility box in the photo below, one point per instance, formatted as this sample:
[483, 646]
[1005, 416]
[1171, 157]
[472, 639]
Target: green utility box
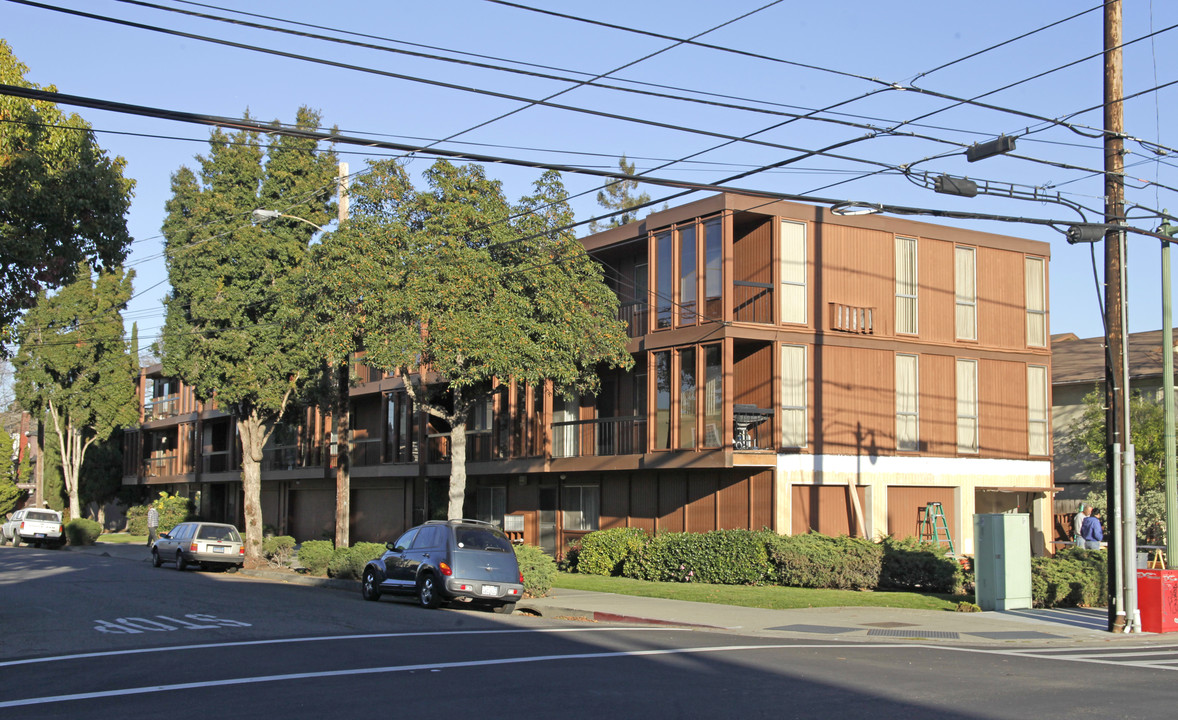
[1002, 560]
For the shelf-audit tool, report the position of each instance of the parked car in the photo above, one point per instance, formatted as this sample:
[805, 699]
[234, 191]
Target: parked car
[35, 526]
[446, 560]
[206, 544]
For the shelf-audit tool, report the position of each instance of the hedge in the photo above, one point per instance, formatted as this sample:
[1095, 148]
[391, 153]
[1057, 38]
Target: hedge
[910, 564]
[1073, 578]
[538, 569]
[82, 531]
[348, 563]
[278, 550]
[603, 552]
[725, 557]
[315, 554]
[819, 561]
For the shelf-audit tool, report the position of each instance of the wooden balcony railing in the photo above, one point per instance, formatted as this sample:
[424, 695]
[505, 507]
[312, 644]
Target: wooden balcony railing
[636, 315]
[753, 302]
[164, 466]
[848, 318]
[160, 408]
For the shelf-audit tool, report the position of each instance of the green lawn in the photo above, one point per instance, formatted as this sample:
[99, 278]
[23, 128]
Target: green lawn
[771, 597]
[122, 539]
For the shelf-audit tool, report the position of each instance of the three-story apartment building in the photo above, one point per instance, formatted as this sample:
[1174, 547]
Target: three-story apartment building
[794, 370]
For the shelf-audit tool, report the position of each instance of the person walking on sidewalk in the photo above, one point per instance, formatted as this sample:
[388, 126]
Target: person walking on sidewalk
[153, 524]
[1091, 532]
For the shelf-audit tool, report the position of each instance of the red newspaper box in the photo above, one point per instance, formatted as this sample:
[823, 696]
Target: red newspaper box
[1157, 599]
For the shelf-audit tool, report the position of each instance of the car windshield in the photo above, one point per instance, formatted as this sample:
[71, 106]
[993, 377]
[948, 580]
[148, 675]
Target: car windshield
[45, 515]
[481, 539]
[221, 533]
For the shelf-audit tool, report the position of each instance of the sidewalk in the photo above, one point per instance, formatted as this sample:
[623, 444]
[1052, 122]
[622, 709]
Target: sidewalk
[1013, 628]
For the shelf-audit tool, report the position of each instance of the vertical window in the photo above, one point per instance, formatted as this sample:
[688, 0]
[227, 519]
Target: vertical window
[581, 507]
[641, 321]
[967, 406]
[966, 293]
[566, 427]
[713, 396]
[793, 395]
[1036, 410]
[713, 272]
[793, 272]
[491, 505]
[664, 291]
[687, 399]
[907, 403]
[662, 409]
[1036, 303]
[906, 286]
[687, 275]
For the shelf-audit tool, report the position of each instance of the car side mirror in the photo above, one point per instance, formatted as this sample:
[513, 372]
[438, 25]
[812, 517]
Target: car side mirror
[165, 535]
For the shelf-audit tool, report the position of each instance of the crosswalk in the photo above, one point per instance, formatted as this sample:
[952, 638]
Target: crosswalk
[1140, 656]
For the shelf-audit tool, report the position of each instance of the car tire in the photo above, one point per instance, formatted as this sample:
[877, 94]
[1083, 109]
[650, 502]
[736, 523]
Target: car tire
[15, 540]
[181, 563]
[369, 587]
[156, 560]
[505, 608]
[427, 592]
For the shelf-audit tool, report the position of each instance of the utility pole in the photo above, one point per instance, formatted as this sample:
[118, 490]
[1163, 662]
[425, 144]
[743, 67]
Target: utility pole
[341, 414]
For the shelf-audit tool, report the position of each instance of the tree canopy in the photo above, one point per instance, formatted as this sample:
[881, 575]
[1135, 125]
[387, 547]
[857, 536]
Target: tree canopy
[618, 194]
[63, 200]
[74, 366]
[225, 332]
[1087, 441]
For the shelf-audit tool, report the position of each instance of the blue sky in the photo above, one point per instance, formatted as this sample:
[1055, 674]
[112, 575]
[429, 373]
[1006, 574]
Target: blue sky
[867, 57]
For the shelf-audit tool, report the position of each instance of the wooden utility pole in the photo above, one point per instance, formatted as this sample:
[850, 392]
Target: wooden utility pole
[1114, 212]
[341, 414]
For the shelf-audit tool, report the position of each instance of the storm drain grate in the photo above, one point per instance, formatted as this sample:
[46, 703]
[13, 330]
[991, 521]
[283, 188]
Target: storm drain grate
[1016, 635]
[930, 634]
[817, 629]
[889, 624]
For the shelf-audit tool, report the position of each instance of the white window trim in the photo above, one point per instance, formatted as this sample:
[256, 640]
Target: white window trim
[804, 407]
[915, 412]
[805, 273]
[968, 416]
[914, 296]
[1042, 422]
[973, 301]
[1041, 264]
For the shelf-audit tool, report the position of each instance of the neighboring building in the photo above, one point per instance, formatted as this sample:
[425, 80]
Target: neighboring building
[1078, 369]
[795, 370]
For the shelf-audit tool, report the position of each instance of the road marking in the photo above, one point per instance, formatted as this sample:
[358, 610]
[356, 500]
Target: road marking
[136, 625]
[432, 667]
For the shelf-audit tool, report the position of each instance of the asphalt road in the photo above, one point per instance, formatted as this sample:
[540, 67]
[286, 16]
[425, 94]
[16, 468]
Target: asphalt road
[87, 636]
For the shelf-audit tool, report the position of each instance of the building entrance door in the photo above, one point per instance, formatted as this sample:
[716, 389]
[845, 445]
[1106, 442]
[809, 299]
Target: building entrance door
[548, 519]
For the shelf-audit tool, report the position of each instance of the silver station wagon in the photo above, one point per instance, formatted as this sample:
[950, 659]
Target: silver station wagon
[206, 544]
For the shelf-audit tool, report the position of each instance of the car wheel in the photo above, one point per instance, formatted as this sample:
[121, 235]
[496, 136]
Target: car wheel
[15, 540]
[427, 592]
[156, 560]
[181, 563]
[369, 587]
[505, 608]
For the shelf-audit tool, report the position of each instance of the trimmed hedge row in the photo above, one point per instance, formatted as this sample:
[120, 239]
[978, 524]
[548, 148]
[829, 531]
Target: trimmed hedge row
[81, 531]
[1073, 578]
[746, 557]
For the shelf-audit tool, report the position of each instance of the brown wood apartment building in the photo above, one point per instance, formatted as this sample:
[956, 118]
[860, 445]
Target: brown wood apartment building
[794, 370]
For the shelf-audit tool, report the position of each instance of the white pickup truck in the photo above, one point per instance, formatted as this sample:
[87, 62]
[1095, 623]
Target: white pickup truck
[33, 526]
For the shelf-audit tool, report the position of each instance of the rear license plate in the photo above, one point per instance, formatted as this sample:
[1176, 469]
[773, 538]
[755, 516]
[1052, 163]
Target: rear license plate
[39, 535]
[490, 590]
[219, 548]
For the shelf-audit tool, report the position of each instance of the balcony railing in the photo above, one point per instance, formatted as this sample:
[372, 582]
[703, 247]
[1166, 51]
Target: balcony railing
[366, 452]
[160, 408]
[479, 446]
[164, 466]
[599, 437]
[848, 318]
[215, 462]
[636, 315]
[289, 457]
[753, 302]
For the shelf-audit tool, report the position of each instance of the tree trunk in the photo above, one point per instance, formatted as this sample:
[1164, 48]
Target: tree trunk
[343, 468]
[457, 468]
[69, 441]
[252, 440]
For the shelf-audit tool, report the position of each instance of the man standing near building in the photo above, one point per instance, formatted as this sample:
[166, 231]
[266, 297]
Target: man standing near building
[1092, 532]
[153, 523]
[1078, 525]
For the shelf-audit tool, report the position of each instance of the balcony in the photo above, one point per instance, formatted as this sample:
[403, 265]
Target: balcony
[160, 408]
[215, 462]
[366, 452]
[635, 314]
[164, 466]
[753, 302]
[851, 319]
[479, 446]
[599, 437]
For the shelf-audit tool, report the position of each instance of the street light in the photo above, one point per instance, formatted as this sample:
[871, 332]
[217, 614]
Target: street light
[261, 215]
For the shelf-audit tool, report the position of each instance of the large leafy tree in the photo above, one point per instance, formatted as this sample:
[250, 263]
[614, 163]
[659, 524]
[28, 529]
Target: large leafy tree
[1086, 440]
[62, 198]
[620, 194]
[75, 367]
[466, 289]
[224, 332]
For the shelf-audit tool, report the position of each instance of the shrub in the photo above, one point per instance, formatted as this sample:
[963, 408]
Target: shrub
[910, 564]
[82, 531]
[604, 551]
[725, 557]
[820, 561]
[278, 550]
[137, 520]
[538, 570]
[348, 563]
[173, 510]
[315, 554]
[1073, 578]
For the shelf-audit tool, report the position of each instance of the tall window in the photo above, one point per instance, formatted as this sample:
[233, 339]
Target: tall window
[713, 396]
[687, 399]
[965, 282]
[713, 272]
[793, 272]
[664, 288]
[687, 275]
[793, 395]
[491, 504]
[967, 406]
[1036, 410]
[662, 405]
[906, 279]
[1036, 302]
[566, 412]
[581, 507]
[907, 403]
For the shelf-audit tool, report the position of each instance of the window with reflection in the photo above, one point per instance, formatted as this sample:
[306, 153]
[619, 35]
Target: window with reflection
[687, 399]
[664, 281]
[713, 270]
[687, 275]
[662, 406]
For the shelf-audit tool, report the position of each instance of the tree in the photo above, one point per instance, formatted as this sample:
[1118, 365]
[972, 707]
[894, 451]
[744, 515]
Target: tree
[617, 195]
[1086, 442]
[75, 368]
[10, 494]
[224, 333]
[466, 297]
[62, 198]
